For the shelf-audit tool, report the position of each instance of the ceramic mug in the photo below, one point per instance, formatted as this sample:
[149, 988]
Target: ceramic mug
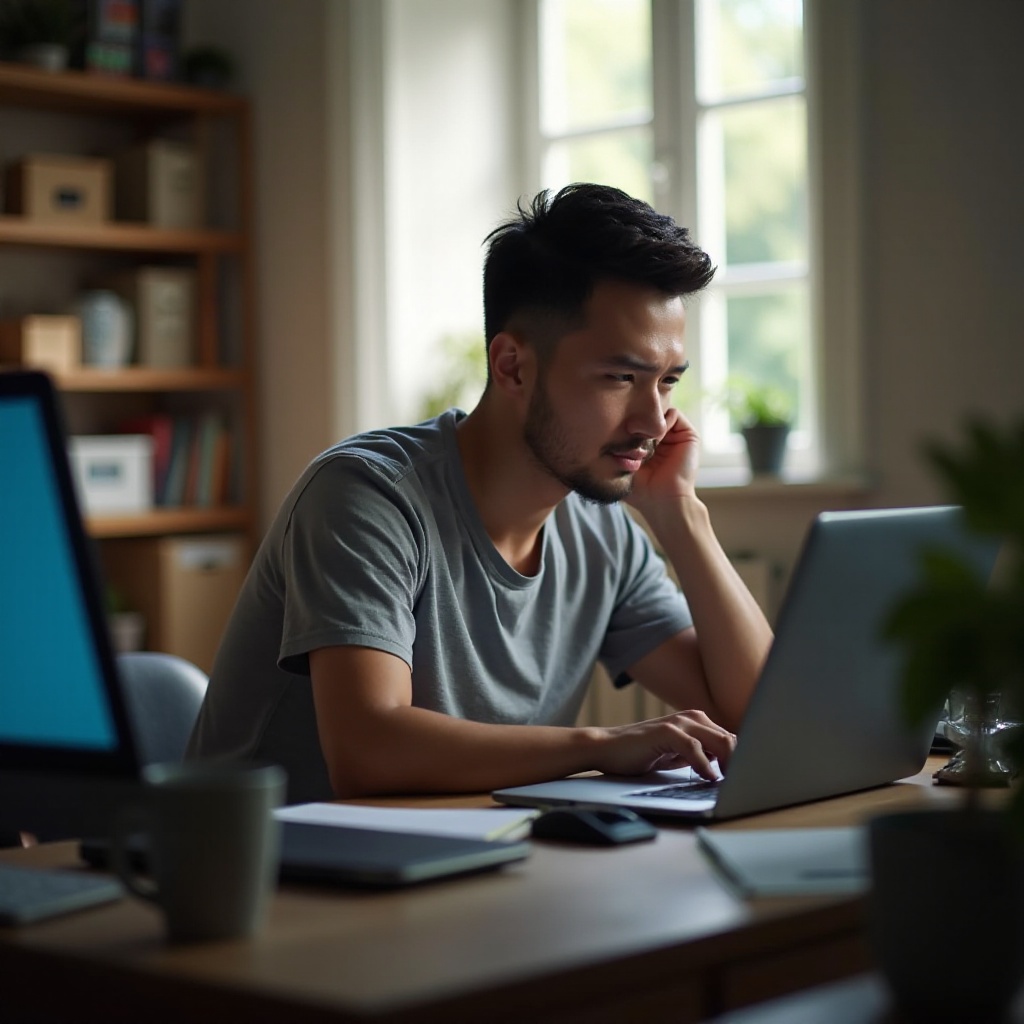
[213, 845]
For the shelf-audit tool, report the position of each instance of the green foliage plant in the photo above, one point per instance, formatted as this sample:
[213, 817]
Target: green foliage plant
[464, 374]
[957, 630]
[752, 404]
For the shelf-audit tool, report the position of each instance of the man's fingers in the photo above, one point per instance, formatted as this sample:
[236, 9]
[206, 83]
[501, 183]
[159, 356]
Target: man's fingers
[704, 739]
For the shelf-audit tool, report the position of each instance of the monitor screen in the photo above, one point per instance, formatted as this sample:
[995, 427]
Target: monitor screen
[59, 699]
[64, 733]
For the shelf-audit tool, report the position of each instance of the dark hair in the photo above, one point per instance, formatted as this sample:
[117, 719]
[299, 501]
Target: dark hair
[546, 261]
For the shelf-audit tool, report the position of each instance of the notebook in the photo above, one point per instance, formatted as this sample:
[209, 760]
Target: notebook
[825, 717]
[789, 861]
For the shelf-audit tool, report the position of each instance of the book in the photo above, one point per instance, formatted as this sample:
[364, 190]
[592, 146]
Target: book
[160, 427]
[789, 861]
[221, 471]
[209, 431]
[490, 823]
[181, 448]
[159, 39]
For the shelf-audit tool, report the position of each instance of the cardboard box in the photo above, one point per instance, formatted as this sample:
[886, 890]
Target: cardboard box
[113, 472]
[159, 183]
[51, 343]
[60, 189]
[185, 587]
[163, 300]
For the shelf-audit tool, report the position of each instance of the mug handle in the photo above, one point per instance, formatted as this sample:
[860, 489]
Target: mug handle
[131, 821]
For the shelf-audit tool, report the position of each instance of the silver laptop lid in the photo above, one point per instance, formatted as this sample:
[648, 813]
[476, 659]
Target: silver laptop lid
[825, 717]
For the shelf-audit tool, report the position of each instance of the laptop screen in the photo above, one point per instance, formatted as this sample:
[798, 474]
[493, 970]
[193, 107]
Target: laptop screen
[54, 695]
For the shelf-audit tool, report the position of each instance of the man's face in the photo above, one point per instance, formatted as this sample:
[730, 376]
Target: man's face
[598, 407]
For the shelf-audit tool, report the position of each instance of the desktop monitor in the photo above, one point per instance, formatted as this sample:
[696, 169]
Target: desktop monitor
[67, 754]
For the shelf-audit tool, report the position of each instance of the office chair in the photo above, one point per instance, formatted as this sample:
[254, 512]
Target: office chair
[163, 693]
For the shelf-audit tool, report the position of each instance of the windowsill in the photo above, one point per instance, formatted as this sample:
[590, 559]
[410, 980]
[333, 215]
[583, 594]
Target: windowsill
[738, 482]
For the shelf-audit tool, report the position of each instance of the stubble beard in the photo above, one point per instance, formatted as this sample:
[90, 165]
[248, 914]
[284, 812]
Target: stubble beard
[546, 439]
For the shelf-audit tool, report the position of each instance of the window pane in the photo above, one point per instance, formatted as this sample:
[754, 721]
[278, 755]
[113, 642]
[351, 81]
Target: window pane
[759, 152]
[768, 339]
[622, 159]
[595, 63]
[747, 46]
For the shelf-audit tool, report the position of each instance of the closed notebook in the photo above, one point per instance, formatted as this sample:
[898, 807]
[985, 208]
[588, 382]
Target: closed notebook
[789, 861]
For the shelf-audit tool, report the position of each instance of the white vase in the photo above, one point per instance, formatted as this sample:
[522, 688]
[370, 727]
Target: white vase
[107, 329]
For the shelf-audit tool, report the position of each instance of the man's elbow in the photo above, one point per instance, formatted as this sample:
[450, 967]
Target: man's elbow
[353, 778]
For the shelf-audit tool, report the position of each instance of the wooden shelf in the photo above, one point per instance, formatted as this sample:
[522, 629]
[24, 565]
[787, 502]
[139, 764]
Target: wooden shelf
[81, 92]
[109, 111]
[162, 521]
[143, 379]
[119, 235]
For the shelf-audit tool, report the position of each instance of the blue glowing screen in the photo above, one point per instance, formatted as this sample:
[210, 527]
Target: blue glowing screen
[51, 683]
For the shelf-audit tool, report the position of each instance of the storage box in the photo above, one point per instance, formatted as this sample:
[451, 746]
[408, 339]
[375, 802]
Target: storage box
[159, 182]
[52, 343]
[113, 472]
[164, 303]
[185, 587]
[64, 189]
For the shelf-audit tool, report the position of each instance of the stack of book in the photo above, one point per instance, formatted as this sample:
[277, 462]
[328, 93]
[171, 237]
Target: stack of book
[191, 457]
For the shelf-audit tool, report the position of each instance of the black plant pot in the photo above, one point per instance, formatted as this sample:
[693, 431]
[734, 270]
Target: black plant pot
[766, 447]
[946, 913]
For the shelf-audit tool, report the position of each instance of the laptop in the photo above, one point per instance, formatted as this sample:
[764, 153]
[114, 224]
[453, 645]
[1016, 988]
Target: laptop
[68, 756]
[825, 717]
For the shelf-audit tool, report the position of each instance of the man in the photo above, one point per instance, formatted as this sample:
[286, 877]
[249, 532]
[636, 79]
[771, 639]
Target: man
[425, 612]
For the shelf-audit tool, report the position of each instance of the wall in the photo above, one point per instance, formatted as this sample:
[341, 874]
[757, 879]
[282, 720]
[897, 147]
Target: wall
[437, 49]
[941, 306]
[282, 57]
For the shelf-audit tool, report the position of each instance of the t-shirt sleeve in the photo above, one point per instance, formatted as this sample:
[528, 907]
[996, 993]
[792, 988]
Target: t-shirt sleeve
[650, 608]
[351, 565]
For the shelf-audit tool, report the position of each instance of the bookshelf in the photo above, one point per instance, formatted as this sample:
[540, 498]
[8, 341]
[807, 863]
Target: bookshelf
[45, 264]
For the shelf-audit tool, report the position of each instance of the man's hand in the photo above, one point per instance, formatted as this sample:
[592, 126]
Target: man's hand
[687, 738]
[671, 471]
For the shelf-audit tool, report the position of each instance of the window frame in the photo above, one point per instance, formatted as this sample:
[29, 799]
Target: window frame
[833, 88]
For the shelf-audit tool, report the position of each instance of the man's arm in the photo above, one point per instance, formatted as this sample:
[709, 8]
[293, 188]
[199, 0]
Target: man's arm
[374, 741]
[715, 665]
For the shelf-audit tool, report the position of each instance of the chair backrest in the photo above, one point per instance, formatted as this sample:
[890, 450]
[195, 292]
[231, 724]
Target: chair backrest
[163, 693]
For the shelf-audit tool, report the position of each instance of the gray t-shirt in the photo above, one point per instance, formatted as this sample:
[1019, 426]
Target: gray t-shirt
[379, 545]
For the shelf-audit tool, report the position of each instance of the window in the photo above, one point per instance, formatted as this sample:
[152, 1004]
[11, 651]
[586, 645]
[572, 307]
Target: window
[700, 107]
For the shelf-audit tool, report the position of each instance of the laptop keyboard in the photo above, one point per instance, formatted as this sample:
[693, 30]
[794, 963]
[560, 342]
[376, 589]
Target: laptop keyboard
[31, 894]
[701, 790]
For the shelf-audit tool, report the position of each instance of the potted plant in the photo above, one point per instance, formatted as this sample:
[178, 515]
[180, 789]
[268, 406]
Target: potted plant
[948, 885]
[764, 414]
[37, 31]
[209, 67]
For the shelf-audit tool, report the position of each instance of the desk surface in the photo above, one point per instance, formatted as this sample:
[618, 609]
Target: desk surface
[572, 933]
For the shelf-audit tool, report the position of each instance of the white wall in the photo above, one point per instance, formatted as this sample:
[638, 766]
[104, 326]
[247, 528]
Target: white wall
[451, 175]
[942, 305]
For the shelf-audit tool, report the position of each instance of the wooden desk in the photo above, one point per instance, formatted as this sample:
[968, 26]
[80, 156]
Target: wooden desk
[572, 934]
